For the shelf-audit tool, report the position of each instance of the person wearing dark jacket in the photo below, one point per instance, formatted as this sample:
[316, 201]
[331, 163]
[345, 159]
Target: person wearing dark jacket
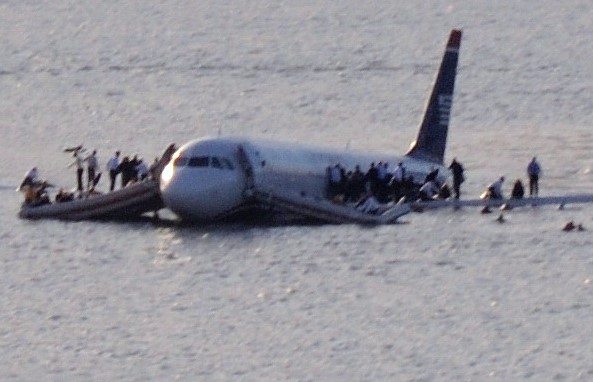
[518, 190]
[533, 171]
[458, 178]
[127, 171]
[371, 178]
[432, 176]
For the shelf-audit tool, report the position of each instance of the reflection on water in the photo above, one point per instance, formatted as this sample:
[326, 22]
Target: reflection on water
[448, 296]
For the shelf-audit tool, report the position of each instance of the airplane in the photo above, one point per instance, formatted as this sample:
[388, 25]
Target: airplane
[215, 178]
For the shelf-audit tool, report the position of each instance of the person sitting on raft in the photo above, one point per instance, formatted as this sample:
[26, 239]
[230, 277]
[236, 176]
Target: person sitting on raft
[31, 178]
[36, 195]
[63, 196]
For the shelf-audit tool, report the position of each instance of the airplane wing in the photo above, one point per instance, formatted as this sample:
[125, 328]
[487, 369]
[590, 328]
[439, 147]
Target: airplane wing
[560, 201]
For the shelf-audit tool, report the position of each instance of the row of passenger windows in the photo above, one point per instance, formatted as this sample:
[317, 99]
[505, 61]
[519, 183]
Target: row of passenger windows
[215, 162]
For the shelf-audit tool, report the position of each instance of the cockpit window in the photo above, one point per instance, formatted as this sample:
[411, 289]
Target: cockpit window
[216, 163]
[198, 162]
[204, 161]
[180, 162]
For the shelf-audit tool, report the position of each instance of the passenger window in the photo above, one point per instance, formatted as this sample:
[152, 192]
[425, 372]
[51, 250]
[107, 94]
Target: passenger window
[180, 162]
[216, 163]
[198, 162]
[227, 163]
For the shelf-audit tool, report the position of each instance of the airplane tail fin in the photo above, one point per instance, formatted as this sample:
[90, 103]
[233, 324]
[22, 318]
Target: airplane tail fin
[432, 135]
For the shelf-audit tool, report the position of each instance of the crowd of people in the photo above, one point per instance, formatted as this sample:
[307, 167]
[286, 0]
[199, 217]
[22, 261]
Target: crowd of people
[131, 169]
[380, 184]
[354, 185]
[495, 189]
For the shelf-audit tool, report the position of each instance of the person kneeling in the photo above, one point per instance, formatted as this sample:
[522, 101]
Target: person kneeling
[494, 190]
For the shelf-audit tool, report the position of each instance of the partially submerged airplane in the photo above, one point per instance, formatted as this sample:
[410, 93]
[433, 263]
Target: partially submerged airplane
[213, 178]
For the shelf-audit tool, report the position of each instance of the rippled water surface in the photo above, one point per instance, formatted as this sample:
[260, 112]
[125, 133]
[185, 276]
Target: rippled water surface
[443, 296]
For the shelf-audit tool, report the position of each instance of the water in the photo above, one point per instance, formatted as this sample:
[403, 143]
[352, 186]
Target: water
[444, 296]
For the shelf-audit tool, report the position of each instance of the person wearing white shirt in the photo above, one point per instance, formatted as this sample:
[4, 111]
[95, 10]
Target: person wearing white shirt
[495, 189]
[92, 164]
[112, 165]
[78, 162]
[141, 169]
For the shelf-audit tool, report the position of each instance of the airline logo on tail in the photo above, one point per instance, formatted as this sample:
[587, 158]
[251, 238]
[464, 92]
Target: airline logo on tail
[445, 103]
[432, 135]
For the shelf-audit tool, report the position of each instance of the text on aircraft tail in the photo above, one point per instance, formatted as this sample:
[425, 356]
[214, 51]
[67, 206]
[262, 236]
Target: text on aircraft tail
[432, 134]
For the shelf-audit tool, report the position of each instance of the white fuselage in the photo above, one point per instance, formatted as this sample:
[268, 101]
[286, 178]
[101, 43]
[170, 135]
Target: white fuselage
[212, 177]
[209, 177]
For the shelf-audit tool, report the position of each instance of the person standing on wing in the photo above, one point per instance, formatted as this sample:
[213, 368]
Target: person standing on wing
[533, 171]
[457, 170]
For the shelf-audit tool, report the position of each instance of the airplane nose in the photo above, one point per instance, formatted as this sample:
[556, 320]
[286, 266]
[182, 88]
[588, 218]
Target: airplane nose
[167, 174]
[200, 194]
[173, 192]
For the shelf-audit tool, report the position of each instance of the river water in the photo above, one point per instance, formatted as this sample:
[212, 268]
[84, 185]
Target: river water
[447, 295]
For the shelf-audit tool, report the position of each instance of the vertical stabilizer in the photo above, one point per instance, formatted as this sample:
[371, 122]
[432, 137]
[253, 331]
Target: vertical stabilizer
[432, 135]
